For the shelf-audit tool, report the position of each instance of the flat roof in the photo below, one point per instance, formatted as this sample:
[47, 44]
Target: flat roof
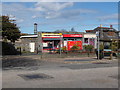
[26, 36]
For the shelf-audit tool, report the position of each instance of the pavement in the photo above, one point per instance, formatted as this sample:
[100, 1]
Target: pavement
[62, 59]
[76, 72]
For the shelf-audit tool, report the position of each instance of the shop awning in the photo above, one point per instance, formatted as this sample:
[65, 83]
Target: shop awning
[51, 38]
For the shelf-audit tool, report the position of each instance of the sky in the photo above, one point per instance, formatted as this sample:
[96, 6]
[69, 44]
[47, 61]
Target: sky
[51, 16]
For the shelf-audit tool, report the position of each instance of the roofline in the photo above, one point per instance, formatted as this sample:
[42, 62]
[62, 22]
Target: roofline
[29, 36]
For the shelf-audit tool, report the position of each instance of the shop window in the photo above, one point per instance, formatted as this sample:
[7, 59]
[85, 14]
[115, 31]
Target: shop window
[91, 41]
[85, 40]
[70, 39]
[107, 45]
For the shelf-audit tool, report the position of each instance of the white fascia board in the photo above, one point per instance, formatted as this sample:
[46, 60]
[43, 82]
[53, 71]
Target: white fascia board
[29, 36]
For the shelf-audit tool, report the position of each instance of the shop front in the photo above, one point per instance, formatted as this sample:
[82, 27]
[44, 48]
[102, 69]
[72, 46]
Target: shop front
[90, 39]
[70, 40]
[51, 41]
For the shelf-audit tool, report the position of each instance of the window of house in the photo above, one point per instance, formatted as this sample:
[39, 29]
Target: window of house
[85, 40]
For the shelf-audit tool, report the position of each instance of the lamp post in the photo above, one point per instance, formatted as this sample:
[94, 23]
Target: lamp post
[111, 49]
[60, 44]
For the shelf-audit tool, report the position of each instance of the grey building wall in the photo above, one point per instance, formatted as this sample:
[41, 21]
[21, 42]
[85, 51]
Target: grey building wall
[25, 43]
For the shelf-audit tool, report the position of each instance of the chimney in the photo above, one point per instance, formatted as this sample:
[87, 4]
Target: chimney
[100, 25]
[111, 26]
[35, 28]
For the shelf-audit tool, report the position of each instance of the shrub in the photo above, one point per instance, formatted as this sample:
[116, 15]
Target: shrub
[101, 46]
[8, 49]
[64, 48]
[88, 47]
[75, 47]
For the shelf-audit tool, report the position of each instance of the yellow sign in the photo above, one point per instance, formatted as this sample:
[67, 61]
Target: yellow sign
[51, 34]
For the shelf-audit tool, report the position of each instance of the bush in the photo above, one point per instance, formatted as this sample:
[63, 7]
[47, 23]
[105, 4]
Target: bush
[101, 46]
[64, 48]
[75, 47]
[8, 49]
[88, 47]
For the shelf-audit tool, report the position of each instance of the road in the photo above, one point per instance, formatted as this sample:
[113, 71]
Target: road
[62, 75]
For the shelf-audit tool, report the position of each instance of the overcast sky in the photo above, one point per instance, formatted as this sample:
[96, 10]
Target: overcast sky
[51, 16]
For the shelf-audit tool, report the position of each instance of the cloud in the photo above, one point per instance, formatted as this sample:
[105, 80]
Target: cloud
[19, 20]
[34, 16]
[76, 12]
[112, 23]
[49, 12]
[46, 10]
[108, 17]
[60, 1]
[71, 14]
[52, 6]
[52, 10]
[17, 10]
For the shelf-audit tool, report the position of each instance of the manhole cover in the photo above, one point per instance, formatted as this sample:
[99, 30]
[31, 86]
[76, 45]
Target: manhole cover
[100, 63]
[35, 76]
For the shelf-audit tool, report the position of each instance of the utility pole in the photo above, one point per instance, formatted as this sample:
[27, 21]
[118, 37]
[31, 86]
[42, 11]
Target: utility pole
[60, 44]
[111, 49]
[97, 34]
[98, 45]
[98, 42]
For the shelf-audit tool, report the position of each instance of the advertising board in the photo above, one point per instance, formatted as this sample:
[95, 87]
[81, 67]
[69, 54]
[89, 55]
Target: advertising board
[51, 35]
[72, 43]
[72, 35]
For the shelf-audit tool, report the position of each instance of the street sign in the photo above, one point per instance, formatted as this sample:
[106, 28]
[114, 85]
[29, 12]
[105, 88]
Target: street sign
[97, 33]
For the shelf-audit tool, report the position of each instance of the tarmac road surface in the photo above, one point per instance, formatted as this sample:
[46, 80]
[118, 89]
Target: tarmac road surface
[59, 75]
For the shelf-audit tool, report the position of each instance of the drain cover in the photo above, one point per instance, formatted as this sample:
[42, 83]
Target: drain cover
[35, 76]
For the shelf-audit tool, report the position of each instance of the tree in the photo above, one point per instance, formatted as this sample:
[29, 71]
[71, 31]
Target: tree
[10, 29]
[73, 30]
[62, 30]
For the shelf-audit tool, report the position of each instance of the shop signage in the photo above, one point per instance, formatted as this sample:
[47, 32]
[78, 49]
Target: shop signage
[51, 35]
[72, 43]
[90, 35]
[111, 33]
[72, 35]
